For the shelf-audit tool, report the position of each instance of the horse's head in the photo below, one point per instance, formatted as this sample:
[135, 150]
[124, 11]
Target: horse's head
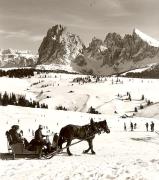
[102, 126]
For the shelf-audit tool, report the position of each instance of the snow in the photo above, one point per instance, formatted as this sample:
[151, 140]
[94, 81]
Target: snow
[103, 48]
[55, 67]
[148, 39]
[139, 70]
[119, 155]
[53, 38]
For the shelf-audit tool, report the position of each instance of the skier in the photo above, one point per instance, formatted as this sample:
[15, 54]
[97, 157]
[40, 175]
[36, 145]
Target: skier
[147, 126]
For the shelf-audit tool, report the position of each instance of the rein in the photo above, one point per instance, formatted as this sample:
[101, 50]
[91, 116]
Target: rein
[50, 155]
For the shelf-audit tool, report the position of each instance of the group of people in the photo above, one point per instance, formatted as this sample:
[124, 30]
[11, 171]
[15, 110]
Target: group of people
[39, 139]
[134, 126]
[152, 126]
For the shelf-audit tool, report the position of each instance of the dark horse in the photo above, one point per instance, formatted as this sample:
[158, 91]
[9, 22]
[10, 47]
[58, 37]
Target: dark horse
[86, 132]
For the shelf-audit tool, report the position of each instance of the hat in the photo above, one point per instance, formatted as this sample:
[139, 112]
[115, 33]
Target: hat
[16, 127]
[40, 127]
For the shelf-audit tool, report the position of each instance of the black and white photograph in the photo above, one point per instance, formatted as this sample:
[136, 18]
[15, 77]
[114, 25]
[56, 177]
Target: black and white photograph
[79, 89]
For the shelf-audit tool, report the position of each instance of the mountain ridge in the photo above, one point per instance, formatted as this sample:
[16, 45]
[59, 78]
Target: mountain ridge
[114, 54]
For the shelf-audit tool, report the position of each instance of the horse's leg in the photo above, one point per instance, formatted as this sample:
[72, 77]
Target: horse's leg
[86, 151]
[91, 145]
[68, 150]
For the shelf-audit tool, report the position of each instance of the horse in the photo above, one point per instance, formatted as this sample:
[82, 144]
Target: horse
[86, 132]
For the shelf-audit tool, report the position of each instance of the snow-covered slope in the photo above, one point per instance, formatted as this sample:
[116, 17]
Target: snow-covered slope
[58, 67]
[148, 39]
[119, 155]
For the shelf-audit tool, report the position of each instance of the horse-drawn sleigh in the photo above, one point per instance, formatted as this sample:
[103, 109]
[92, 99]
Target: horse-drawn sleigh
[66, 135]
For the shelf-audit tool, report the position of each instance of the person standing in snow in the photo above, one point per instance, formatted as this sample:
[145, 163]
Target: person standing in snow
[147, 126]
[131, 126]
[135, 126]
[125, 127]
[152, 126]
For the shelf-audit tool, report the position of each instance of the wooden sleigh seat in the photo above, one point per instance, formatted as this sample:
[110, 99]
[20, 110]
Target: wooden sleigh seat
[19, 150]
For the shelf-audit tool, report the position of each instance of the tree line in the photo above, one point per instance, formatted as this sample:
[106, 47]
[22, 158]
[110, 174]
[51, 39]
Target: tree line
[12, 99]
[17, 73]
[154, 73]
[28, 72]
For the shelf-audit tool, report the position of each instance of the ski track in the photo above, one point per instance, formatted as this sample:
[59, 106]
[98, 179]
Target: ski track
[104, 104]
[85, 104]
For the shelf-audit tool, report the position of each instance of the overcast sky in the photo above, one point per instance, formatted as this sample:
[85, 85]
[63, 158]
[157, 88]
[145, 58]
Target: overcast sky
[23, 23]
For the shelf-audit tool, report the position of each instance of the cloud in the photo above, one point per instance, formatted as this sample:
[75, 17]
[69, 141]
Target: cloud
[22, 34]
[27, 21]
[37, 38]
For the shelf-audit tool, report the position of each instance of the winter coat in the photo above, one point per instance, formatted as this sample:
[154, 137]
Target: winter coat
[39, 136]
[16, 137]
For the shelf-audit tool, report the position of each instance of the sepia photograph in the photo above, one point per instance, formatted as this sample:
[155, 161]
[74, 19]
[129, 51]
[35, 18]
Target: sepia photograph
[79, 89]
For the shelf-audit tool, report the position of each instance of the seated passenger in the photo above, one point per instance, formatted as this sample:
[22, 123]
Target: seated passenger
[16, 137]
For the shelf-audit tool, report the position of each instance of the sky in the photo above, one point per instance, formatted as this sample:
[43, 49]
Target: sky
[24, 23]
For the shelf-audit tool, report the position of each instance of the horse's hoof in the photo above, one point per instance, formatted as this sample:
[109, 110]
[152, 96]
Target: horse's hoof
[84, 152]
[93, 152]
[70, 154]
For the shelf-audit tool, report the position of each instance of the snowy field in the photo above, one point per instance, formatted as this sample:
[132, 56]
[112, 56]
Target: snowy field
[119, 155]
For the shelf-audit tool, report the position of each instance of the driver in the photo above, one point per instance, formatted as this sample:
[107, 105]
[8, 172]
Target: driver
[39, 138]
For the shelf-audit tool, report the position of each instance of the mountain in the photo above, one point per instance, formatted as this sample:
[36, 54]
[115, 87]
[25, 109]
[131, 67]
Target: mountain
[118, 55]
[148, 39]
[114, 54]
[59, 47]
[17, 58]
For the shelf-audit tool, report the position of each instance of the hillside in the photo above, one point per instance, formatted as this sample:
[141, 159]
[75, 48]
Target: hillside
[119, 155]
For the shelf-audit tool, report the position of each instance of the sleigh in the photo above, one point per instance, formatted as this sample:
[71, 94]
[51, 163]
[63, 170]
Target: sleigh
[18, 150]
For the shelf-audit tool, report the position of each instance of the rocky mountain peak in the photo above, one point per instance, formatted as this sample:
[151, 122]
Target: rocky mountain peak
[95, 44]
[113, 39]
[59, 46]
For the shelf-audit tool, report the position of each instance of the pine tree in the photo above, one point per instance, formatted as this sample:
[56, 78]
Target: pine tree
[5, 99]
